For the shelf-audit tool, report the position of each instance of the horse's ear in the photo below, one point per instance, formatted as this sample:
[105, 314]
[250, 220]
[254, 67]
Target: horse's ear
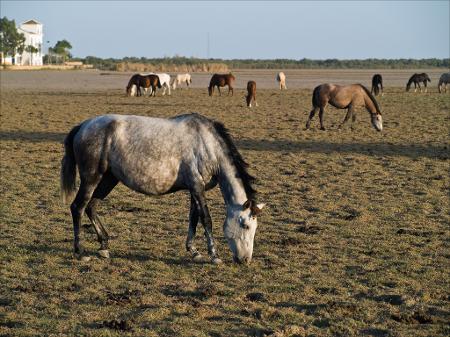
[247, 204]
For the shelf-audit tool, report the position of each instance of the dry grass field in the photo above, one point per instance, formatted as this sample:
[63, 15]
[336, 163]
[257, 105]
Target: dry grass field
[354, 240]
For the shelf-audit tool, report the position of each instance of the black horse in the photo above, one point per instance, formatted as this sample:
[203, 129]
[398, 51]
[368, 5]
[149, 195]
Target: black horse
[377, 84]
[416, 79]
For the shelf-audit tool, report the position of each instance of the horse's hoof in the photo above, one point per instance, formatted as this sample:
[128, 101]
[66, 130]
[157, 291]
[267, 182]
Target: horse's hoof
[104, 253]
[216, 260]
[322, 128]
[197, 257]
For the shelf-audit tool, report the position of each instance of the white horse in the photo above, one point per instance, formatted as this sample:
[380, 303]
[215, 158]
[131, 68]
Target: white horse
[281, 78]
[181, 78]
[165, 82]
[443, 81]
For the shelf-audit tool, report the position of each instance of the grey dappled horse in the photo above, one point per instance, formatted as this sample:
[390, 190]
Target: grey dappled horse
[443, 81]
[157, 156]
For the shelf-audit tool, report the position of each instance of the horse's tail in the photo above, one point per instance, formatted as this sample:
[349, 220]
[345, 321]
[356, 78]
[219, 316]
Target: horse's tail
[374, 101]
[315, 96]
[68, 167]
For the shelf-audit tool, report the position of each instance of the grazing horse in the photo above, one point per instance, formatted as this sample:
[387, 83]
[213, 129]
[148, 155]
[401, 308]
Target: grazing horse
[221, 80]
[443, 81]
[281, 78]
[165, 82]
[416, 79]
[345, 97]
[157, 156]
[251, 93]
[377, 84]
[139, 81]
[181, 78]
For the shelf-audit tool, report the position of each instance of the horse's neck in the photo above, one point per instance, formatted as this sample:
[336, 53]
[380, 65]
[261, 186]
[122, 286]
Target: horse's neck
[231, 186]
[370, 104]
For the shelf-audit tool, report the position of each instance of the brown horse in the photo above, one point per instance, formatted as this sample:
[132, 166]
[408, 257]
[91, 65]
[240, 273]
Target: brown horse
[251, 93]
[144, 81]
[345, 97]
[221, 80]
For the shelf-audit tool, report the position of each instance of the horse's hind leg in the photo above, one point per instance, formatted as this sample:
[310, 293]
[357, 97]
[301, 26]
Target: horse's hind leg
[311, 115]
[321, 111]
[78, 206]
[193, 222]
[105, 186]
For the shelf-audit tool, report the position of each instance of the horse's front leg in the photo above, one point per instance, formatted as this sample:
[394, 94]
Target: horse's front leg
[220, 93]
[347, 116]
[205, 218]
[193, 222]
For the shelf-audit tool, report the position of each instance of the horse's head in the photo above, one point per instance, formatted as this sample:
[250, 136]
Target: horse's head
[128, 90]
[408, 85]
[210, 90]
[240, 228]
[377, 121]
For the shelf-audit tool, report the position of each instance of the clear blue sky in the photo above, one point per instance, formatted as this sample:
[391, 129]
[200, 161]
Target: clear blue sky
[250, 29]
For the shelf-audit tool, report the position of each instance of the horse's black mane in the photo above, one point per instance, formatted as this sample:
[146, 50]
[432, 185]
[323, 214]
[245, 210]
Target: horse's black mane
[239, 163]
[372, 98]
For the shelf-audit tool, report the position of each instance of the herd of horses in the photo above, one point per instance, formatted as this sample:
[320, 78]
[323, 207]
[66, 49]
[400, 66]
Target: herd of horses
[157, 156]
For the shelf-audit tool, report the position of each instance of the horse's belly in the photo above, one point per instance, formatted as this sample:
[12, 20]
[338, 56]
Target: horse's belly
[154, 179]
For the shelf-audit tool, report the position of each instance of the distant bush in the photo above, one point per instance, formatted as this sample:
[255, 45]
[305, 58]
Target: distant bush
[185, 64]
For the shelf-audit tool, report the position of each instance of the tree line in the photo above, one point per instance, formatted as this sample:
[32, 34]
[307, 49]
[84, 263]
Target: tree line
[113, 63]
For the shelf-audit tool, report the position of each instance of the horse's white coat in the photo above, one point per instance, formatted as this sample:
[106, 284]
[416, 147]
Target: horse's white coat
[181, 78]
[281, 78]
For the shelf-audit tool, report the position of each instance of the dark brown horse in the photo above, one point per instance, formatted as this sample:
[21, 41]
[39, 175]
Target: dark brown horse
[416, 79]
[221, 80]
[345, 97]
[251, 93]
[377, 84]
[144, 81]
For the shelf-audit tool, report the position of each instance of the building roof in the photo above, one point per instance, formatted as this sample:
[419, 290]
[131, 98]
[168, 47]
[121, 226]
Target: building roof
[31, 22]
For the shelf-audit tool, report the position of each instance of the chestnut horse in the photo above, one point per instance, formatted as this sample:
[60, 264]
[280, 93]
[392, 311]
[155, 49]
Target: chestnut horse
[144, 81]
[345, 97]
[251, 93]
[377, 84]
[221, 80]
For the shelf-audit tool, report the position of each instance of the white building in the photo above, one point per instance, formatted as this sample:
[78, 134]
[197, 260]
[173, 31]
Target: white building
[33, 32]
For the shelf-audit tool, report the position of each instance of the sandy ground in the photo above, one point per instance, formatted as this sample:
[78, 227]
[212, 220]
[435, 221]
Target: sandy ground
[354, 240]
[89, 80]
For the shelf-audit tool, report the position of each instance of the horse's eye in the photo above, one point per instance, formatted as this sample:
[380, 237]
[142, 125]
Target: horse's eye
[242, 223]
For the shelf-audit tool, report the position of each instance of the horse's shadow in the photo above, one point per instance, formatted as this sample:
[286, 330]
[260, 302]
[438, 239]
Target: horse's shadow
[33, 136]
[372, 149]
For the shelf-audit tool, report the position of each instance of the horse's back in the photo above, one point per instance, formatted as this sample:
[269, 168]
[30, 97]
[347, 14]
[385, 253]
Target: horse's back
[147, 154]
